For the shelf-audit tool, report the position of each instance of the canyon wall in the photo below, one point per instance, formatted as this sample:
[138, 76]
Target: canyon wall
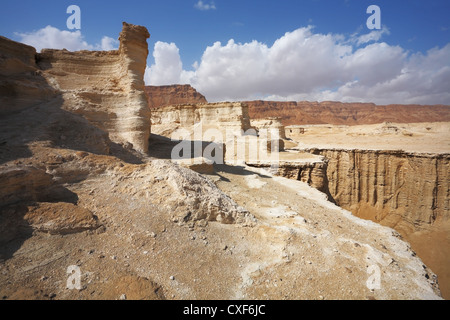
[161, 96]
[339, 113]
[269, 124]
[106, 87]
[223, 116]
[305, 112]
[403, 190]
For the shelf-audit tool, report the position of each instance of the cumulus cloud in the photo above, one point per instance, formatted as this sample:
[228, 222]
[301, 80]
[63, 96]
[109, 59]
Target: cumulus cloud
[168, 68]
[200, 5]
[303, 65]
[53, 38]
[374, 35]
[109, 44]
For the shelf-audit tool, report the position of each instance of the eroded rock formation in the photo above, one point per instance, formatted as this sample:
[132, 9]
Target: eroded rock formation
[21, 82]
[403, 190]
[107, 88]
[162, 96]
[231, 117]
[338, 113]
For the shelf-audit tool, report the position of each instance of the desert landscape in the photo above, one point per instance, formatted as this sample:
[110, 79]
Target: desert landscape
[355, 205]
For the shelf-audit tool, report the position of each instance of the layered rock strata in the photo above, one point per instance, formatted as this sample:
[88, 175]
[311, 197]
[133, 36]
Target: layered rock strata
[162, 96]
[225, 117]
[22, 84]
[339, 113]
[107, 88]
[406, 190]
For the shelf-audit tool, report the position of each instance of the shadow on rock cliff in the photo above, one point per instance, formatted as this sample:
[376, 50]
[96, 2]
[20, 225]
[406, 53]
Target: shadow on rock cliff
[14, 231]
[161, 147]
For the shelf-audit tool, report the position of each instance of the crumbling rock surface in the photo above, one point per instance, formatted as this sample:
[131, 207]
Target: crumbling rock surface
[107, 88]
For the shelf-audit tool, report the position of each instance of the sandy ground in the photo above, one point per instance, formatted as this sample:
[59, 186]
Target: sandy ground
[433, 244]
[415, 137]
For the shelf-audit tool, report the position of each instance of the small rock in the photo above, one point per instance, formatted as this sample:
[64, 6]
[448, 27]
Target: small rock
[123, 297]
[52, 295]
[172, 278]
[113, 257]
[145, 252]
[321, 298]
[225, 248]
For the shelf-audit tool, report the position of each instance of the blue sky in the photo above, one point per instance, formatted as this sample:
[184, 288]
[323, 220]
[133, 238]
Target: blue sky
[414, 26]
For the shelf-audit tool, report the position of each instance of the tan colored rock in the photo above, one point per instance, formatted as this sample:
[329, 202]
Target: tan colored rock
[162, 96]
[268, 124]
[338, 113]
[107, 88]
[21, 82]
[405, 190]
[231, 117]
[60, 218]
[23, 184]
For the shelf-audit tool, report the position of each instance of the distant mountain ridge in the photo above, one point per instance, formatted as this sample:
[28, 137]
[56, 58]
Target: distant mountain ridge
[306, 113]
[339, 113]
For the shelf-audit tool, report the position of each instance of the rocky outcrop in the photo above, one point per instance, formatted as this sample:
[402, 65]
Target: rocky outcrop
[21, 82]
[268, 124]
[403, 190]
[107, 88]
[161, 96]
[338, 113]
[231, 117]
[23, 184]
[313, 173]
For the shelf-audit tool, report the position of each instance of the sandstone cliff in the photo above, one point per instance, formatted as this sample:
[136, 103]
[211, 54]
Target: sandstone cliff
[161, 96]
[338, 113]
[403, 190]
[222, 116]
[21, 82]
[107, 88]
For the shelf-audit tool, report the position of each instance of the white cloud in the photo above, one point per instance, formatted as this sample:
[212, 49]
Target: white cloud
[374, 35]
[53, 38]
[168, 68]
[200, 5]
[109, 44]
[303, 65]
